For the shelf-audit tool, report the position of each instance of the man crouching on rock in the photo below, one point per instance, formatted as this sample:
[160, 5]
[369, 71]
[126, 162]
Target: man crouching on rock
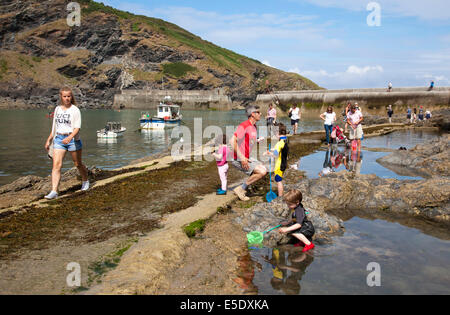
[242, 143]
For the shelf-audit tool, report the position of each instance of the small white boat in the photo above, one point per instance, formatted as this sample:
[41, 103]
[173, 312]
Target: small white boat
[168, 115]
[112, 130]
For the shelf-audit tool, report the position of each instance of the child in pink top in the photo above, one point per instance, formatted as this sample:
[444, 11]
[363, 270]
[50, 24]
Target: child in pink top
[222, 165]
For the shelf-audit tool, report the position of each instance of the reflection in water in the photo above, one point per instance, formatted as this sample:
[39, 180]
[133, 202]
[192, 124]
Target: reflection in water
[338, 159]
[288, 268]
[107, 141]
[157, 137]
[246, 273]
[353, 161]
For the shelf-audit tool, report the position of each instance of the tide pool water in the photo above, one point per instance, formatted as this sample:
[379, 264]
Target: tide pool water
[410, 262]
[340, 159]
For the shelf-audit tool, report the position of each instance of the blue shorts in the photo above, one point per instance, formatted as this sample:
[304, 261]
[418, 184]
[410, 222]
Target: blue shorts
[71, 147]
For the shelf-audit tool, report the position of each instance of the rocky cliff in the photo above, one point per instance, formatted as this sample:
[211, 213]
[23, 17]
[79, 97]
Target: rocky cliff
[114, 50]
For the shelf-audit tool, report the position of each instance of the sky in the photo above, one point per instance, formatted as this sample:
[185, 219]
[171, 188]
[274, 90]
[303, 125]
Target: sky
[336, 43]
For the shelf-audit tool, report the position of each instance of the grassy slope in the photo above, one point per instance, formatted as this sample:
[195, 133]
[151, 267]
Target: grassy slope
[221, 57]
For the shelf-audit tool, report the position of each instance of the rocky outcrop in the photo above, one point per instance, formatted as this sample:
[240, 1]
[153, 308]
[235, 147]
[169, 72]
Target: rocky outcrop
[427, 199]
[52, 54]
[429, 158]
[30, 188]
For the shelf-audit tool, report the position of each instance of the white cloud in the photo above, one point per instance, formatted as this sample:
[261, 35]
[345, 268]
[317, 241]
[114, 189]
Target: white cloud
[438, 79]
[263, 31]
[426, 10]
[267, 63]
[363, 70]
[352, 77]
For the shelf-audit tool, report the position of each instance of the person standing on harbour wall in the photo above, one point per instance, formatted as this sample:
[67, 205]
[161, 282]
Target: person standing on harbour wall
[65, 135]
[295, 115]
[242, 144]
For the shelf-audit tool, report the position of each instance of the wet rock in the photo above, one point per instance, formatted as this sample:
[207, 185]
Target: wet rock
[430, 158]
[21, 184]
[423, 198]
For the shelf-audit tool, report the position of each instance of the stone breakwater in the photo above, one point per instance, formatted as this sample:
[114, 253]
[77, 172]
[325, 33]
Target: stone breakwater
[145, 99]
[369, 99]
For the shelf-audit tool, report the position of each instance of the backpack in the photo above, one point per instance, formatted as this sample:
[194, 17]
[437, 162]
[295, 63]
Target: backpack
[284, 156]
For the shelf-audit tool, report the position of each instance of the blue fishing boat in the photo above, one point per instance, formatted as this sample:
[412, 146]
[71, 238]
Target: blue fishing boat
[168, 115]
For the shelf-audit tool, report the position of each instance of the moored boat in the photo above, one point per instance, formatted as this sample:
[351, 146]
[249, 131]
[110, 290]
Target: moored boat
[168, 115]
[111, 130]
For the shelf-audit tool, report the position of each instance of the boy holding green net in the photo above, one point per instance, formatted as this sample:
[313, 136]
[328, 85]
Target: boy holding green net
[299, 226]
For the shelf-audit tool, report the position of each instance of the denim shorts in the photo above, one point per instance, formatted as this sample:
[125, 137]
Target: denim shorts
[71, 147]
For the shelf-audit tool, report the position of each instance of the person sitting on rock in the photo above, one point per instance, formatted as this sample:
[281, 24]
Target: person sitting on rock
[242, 143]
[299, 226]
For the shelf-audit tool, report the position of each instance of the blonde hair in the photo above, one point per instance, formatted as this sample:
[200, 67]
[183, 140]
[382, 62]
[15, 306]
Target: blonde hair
[293, 196]
[67, 89]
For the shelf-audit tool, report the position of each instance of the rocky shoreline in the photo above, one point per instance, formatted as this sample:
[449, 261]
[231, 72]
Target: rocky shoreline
[327, 199]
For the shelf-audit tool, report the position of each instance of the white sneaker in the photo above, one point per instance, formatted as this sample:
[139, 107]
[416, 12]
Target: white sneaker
[85, 186]
[52, 195]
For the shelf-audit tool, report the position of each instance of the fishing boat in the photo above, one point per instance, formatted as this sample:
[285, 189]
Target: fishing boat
[168, 115]
[112, 130]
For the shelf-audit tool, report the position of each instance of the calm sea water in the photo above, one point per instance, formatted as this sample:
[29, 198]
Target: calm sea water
[24, 132]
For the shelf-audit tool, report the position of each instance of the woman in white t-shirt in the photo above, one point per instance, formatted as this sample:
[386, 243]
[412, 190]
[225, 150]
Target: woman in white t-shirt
[65, 135]
[330, 118]
[295, 115]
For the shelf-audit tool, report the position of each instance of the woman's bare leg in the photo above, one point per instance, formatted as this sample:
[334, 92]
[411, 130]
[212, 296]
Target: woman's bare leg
[76, 157]
[58, 157]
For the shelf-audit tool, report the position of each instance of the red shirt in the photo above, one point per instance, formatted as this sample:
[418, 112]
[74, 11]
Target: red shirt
[246, 137]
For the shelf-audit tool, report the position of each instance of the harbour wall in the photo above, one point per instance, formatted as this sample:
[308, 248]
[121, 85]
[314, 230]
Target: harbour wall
[371, 100]
[149, 99]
